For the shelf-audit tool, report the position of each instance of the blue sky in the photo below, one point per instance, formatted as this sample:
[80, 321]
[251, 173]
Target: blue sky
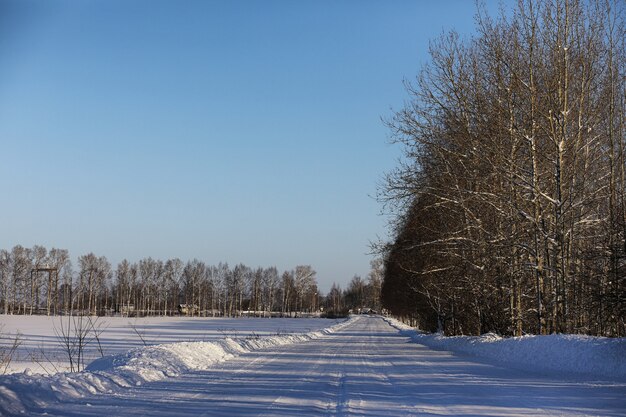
[220, 130]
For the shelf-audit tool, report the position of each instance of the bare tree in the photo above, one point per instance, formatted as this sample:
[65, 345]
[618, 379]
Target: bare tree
[508, 202]
[148, 287]
[271, 285]
[8, 351]
[173, 271]
[305, 286]
[288, 285]
[6, 281]
[73, 335]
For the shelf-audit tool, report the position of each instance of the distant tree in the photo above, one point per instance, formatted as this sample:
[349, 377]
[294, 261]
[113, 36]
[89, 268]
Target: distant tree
[192, 277]
[305, 287]
[222, 271]
[255, 280]
[150, 272]
[94, 277]
[271, 286]
[33, 278]
[374, 284]
[124, 287]
[355, 293]
[172, 275]
[6, 282]
[38, 254]
[21, 265]
[335, 300]
[288, 285]
[59, 261]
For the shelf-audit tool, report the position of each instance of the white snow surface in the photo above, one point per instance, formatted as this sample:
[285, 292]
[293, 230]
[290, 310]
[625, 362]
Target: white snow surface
[557, 353]
[41, 352]
[365, 366]
[20, 393]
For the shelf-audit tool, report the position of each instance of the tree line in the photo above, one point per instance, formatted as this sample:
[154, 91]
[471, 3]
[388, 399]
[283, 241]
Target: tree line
[40, 281]
[509, 205]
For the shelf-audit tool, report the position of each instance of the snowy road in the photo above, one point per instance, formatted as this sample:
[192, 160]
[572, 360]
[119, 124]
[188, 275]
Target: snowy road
[366, 369]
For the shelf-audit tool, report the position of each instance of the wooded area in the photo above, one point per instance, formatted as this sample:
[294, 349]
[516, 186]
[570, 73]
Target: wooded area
[38, 281]
[509, 204]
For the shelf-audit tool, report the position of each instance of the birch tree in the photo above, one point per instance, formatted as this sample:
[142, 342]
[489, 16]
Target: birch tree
[509, 201]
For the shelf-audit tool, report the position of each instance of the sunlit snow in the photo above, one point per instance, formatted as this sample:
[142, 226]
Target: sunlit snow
[366, 366]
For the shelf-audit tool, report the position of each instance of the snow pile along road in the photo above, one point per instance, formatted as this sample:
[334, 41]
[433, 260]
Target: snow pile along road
[42, 351]
[569, 354]
[27, 391]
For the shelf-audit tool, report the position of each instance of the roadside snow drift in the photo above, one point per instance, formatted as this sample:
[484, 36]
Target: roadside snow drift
[42, 350]
[27, 391]
[570, 354]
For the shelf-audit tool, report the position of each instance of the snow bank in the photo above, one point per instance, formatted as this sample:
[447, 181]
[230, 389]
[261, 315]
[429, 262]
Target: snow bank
[575, 354]
[41, 351]
[27, 391]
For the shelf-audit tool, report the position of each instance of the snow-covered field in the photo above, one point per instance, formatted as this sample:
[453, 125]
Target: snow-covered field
[42, 351]
[364, 366]
[22, 394]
